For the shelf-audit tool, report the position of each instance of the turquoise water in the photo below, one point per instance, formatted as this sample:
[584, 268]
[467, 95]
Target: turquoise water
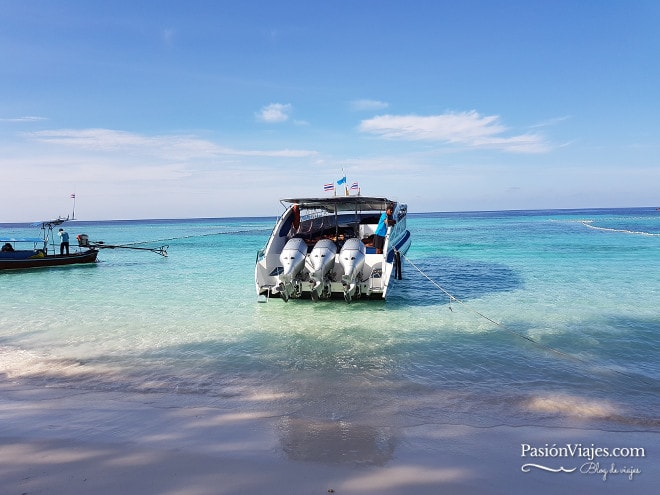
[555, 321]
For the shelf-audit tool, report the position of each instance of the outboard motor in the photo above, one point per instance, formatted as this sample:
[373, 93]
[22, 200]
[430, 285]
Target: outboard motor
[83, 240]
[351, 259]
[320, 263]
[293, 260]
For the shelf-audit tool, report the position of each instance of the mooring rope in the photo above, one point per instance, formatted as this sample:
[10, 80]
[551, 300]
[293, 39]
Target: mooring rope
[192, 236]
[513, 332]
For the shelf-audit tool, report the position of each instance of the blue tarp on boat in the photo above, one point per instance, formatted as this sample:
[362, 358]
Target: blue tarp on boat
[20, 255]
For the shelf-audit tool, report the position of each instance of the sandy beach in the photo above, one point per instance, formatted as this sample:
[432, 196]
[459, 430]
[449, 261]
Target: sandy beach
[60, 441]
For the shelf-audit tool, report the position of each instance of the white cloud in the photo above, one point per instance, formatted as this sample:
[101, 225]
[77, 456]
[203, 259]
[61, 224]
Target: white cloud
[105, 140]
[464, 128]
[133, 175]
[274, 113]
[170, 147]
[285, 153]
[27, 118]
[368, 105]
[168, 36]
[552, 121]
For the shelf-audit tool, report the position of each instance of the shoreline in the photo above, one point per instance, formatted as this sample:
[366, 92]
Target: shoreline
[63, 441]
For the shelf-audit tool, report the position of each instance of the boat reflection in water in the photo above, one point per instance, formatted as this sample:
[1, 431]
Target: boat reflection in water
[336, 441]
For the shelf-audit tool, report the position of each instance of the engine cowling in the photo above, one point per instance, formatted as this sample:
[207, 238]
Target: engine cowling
[321, 259]
[351, 259]
[292, 258]
[319, 263]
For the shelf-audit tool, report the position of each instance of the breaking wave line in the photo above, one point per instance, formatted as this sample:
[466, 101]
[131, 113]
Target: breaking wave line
[588, 224]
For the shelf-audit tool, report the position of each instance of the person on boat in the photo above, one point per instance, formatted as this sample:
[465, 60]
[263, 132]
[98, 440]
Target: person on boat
[64, 245]
[7, 247]
[386, 219]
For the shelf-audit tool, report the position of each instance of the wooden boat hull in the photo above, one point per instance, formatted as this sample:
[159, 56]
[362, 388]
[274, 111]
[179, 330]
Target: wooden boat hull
[20, 260]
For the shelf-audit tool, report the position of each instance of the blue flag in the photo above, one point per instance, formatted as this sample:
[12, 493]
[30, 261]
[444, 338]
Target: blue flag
[341, 181]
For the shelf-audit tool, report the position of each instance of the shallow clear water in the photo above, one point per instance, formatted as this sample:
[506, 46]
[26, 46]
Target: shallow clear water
[555, 321]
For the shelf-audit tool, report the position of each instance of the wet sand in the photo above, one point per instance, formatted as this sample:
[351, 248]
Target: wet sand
[62, 441]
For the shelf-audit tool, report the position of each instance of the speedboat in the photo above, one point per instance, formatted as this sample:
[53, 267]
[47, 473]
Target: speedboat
[323, 248]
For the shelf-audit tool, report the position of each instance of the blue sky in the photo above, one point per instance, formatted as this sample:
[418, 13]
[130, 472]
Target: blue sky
[169, 109]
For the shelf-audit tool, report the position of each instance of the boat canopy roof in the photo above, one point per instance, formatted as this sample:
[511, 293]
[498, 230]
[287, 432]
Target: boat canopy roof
[21, 239]
[342, 203]
[50, 223]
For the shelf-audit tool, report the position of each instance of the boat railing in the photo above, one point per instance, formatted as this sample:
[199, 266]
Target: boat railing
[260, 255]
[376, 277]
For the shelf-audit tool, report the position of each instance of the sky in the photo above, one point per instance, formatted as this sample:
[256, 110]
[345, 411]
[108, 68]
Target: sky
[182, 109]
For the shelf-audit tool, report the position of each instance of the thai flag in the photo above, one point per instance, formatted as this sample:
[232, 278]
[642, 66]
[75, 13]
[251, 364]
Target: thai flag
[355, 186]
[73, 196]
[329, 187]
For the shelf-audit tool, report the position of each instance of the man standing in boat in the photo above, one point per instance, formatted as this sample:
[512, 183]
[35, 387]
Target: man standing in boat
[386, 219]
[64, 245]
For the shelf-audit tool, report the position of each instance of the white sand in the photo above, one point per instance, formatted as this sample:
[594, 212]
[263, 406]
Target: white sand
[58, 442]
